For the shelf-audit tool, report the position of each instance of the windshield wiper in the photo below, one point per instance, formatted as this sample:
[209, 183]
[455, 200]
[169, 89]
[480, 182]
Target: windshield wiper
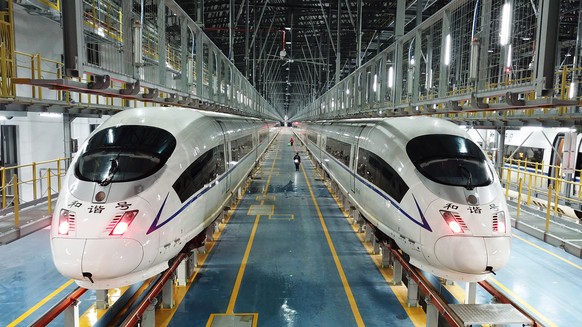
[469, 185]
[112, 170]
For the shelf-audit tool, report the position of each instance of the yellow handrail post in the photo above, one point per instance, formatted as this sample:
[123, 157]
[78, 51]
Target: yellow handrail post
[508, 179]
[518, 200]
[49, 192]
[59, 175]
[39, 74]
[536, 175]
[34, 180]
[548, 208]
[529, 191]
[16, 206]
[32, 75]
[557, 197]
[3, 187]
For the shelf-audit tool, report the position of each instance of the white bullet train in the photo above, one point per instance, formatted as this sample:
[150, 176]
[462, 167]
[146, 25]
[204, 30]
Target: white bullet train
[145, 186]
[422, 184]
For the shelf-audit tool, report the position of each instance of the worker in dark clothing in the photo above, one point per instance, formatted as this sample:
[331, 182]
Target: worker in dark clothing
[291, 141]
[297, 161]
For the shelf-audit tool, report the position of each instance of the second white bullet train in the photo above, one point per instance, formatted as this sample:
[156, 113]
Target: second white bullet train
[423, 185]
[145, 186]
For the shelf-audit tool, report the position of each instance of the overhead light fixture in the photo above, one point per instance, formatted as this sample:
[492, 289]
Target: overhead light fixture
[51, 114]
[531, 128]
[505, 24]
[448, 49]
[391, 77]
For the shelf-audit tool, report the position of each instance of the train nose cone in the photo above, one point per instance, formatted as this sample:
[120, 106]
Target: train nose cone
[473, 255]
[102, 258]
[111, 258]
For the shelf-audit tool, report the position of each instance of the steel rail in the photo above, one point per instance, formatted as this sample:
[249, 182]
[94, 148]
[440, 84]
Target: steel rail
[135, 316]
[435, 298]
[58, 308]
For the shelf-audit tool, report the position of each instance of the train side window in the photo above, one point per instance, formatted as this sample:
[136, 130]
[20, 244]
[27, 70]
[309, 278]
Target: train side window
[378, 172]
[339, 150]
[241, 147]
[202, 171]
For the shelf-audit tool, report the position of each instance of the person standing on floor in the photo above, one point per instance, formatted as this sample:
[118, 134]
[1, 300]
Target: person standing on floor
[297, 161]
[291, 140]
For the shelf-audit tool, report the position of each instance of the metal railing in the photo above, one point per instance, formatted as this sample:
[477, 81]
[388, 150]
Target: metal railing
[554, 192]
[26, 184]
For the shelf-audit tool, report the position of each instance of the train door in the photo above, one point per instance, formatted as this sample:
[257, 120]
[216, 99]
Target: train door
[227, 158]
[556, 158]
[354, 165]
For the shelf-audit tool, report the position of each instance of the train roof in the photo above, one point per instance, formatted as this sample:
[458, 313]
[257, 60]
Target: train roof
[172, 119]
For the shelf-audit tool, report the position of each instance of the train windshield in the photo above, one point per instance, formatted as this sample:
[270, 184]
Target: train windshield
[124, 153]
[450, 160]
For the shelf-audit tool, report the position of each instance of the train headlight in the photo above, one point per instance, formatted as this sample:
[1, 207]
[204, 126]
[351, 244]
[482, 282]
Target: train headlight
[123, 222]
[453, 221]
[499, 222]
[64, 222]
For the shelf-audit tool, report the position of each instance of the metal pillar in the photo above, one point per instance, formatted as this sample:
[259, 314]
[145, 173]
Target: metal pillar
[73, 37]
[337, 42]
[500, 149]
[484, 38]
[386, 256]
[359, 34]
[148, 319]
[199, 63]
[471, 293]
[168, 294]
[184, 54]
[432, 314]
[67, 138]
[127, 29]
[71, 315]
[161, 21]
[101, 299]
[397, 275]
[546, 45]
[412, 293]
[398, 53]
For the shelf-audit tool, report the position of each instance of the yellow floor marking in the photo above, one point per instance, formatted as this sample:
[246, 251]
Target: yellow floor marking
[548, 252]
[531, 309]
[241, 271]
[40, 304]
[348, 290]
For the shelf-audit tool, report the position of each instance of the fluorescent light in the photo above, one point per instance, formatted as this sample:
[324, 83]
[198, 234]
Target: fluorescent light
[508, 57]
[375, 86]
[390, 77]
[531, 128]
[412, 61]
[448, 50]
[51, 114]
[565, 129]
[347, 91]
[572, 92]
[3, 118]
[505, 24]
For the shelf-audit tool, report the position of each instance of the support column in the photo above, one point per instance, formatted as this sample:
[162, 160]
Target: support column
[71, 315]
[102, 299]
[412, 293]
[127, 30]
[386, 256]
[168, 294]
[397, 275]
[184, 53]
[161, 21]
[398, 53]
[500, 149]
[67, 138]
[546, 45]
[338, 45]
[148, 319]
[432, 314]
[471, 293]
[73, 37]
[199, 64]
